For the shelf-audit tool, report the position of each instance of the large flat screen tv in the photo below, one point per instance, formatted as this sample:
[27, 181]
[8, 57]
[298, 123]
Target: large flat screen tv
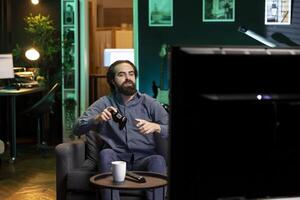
[234, 123]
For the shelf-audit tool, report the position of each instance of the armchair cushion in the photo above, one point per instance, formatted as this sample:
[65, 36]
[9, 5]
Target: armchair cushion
[93, 145]
[162, 147]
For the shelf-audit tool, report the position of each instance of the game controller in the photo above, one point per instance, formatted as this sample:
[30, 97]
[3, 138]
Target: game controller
[119, 118]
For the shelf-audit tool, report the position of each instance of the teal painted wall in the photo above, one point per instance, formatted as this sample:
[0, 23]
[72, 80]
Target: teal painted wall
[188, 29]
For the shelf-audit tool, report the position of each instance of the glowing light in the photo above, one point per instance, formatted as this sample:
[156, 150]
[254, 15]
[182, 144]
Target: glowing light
[32, 54]
[35, 2]
[259, 97]
[256, 36]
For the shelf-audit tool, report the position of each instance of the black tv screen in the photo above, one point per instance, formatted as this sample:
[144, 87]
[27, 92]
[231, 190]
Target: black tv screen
[235, 117]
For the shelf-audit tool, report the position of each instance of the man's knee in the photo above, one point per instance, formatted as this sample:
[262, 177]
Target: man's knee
[106, 156]
[157, 163]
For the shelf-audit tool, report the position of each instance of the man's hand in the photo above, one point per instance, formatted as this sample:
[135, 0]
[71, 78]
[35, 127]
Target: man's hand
[146, 127]
[105, 115]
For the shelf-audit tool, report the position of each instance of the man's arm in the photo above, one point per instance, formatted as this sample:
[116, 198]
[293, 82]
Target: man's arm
[92, 117]
[159, 123]
[146, 127]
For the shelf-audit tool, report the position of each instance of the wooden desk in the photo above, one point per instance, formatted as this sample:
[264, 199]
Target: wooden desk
[12, 94]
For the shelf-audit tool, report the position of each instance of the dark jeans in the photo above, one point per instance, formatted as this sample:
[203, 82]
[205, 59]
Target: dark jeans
[153, 163]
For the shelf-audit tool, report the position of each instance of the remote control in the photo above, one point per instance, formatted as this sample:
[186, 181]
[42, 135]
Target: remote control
[137, 177]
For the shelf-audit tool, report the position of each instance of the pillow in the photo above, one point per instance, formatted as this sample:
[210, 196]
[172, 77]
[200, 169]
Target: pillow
[93, 145]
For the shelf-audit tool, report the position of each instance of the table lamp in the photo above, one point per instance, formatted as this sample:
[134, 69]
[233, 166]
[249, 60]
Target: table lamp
[32, 54]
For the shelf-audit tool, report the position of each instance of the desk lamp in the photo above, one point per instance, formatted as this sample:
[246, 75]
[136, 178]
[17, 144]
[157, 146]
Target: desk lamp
[256, 36]
[32, 54]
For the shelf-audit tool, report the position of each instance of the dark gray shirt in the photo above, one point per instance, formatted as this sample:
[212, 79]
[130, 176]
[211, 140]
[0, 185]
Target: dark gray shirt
[129, 140]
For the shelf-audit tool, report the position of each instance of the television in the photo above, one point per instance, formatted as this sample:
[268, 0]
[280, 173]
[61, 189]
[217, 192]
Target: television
[112, 55]
[234, 130]
[6, 66]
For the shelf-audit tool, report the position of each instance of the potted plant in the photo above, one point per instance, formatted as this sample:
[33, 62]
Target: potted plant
[45, 39]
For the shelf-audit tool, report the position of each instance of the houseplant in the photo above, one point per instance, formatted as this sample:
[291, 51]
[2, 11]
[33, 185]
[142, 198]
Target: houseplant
[46, 39]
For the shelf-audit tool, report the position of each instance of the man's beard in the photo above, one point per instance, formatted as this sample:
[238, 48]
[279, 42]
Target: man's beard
[127, 90]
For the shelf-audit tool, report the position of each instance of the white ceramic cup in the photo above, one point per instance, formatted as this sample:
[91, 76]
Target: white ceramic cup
[118, 171]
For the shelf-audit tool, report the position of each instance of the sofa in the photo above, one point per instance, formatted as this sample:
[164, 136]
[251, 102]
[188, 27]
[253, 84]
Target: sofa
[76, 162]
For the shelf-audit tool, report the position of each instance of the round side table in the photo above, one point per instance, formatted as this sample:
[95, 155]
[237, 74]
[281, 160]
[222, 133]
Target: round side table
[153, 180]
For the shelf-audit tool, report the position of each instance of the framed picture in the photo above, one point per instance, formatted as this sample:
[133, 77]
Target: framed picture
[160, 12]
[278, 12]
[218, 10]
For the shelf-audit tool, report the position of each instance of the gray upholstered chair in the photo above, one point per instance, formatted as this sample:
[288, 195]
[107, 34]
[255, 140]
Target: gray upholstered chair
[76, 162]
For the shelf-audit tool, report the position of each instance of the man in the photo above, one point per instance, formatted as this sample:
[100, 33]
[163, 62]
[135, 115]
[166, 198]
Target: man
[133, 143]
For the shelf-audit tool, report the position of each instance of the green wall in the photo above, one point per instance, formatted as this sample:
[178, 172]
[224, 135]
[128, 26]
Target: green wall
[188, 29]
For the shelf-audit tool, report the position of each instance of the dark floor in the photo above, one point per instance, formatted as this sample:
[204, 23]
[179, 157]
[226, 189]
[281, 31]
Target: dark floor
[31, 177]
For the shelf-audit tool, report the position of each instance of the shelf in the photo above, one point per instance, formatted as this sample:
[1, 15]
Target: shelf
[70, 82]
[68, 26]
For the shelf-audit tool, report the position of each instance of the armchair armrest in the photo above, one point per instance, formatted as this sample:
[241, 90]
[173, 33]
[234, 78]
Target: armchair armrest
[162, 147]
[69, 156]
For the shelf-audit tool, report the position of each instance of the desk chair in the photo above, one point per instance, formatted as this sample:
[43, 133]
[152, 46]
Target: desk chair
[39, 110]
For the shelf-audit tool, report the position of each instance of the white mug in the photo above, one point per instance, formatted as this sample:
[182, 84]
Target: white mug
[118, 171]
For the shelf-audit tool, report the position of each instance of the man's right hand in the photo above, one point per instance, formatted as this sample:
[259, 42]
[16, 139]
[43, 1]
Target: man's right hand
[105, 115]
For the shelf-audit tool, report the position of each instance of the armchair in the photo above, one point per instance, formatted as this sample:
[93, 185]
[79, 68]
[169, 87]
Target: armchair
[77, 161]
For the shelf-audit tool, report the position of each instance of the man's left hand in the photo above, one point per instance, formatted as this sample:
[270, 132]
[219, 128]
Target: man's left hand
[146, 127]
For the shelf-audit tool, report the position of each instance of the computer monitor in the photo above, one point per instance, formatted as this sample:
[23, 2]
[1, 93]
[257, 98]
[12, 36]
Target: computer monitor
[225, 142]
[6, 66]
[112, 55]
